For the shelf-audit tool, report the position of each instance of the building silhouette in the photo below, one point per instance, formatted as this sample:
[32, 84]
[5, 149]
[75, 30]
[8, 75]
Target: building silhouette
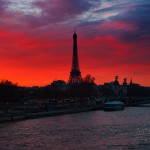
[116, 88]
[124, 87]
[75, 74]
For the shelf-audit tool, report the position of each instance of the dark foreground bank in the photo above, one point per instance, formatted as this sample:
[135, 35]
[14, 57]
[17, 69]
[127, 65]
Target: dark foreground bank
[22, 116]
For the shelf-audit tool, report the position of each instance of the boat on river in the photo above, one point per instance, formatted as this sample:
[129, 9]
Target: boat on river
[113, 105]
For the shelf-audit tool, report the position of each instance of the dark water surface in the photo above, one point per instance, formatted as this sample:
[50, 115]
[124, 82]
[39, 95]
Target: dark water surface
[95, 130]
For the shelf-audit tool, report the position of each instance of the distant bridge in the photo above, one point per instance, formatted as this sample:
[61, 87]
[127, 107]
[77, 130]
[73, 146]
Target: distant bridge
[134, 101]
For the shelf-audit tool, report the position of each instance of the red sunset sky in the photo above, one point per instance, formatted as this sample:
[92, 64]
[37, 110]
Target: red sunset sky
[36, 40]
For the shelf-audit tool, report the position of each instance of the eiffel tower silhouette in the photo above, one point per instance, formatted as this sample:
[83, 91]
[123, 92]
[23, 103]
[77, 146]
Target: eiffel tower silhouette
[75, 74]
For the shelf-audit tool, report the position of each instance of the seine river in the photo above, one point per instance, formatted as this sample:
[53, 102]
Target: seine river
[95, 130]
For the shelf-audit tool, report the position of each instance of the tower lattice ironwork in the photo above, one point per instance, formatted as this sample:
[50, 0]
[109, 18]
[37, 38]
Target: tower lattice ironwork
[75, 74]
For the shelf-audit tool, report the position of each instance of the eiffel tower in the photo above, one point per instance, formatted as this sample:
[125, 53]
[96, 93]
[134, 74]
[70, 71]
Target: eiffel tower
[75, 74]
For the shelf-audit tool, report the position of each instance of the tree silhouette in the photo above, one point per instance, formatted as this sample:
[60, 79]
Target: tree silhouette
[87, 88]
[89, 79]
[8, 91]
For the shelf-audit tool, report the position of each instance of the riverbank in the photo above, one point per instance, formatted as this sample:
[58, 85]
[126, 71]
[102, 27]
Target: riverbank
[23, 116]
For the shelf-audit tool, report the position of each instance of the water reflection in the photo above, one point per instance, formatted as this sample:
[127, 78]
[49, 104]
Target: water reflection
[90, 130]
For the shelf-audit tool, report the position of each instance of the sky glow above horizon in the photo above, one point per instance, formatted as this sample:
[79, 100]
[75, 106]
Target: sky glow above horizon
[36, 40]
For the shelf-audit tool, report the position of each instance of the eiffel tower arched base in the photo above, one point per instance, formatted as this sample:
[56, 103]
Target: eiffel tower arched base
[75, 79]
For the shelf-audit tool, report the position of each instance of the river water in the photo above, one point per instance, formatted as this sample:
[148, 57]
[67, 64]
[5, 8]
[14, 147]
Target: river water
[94, 130]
